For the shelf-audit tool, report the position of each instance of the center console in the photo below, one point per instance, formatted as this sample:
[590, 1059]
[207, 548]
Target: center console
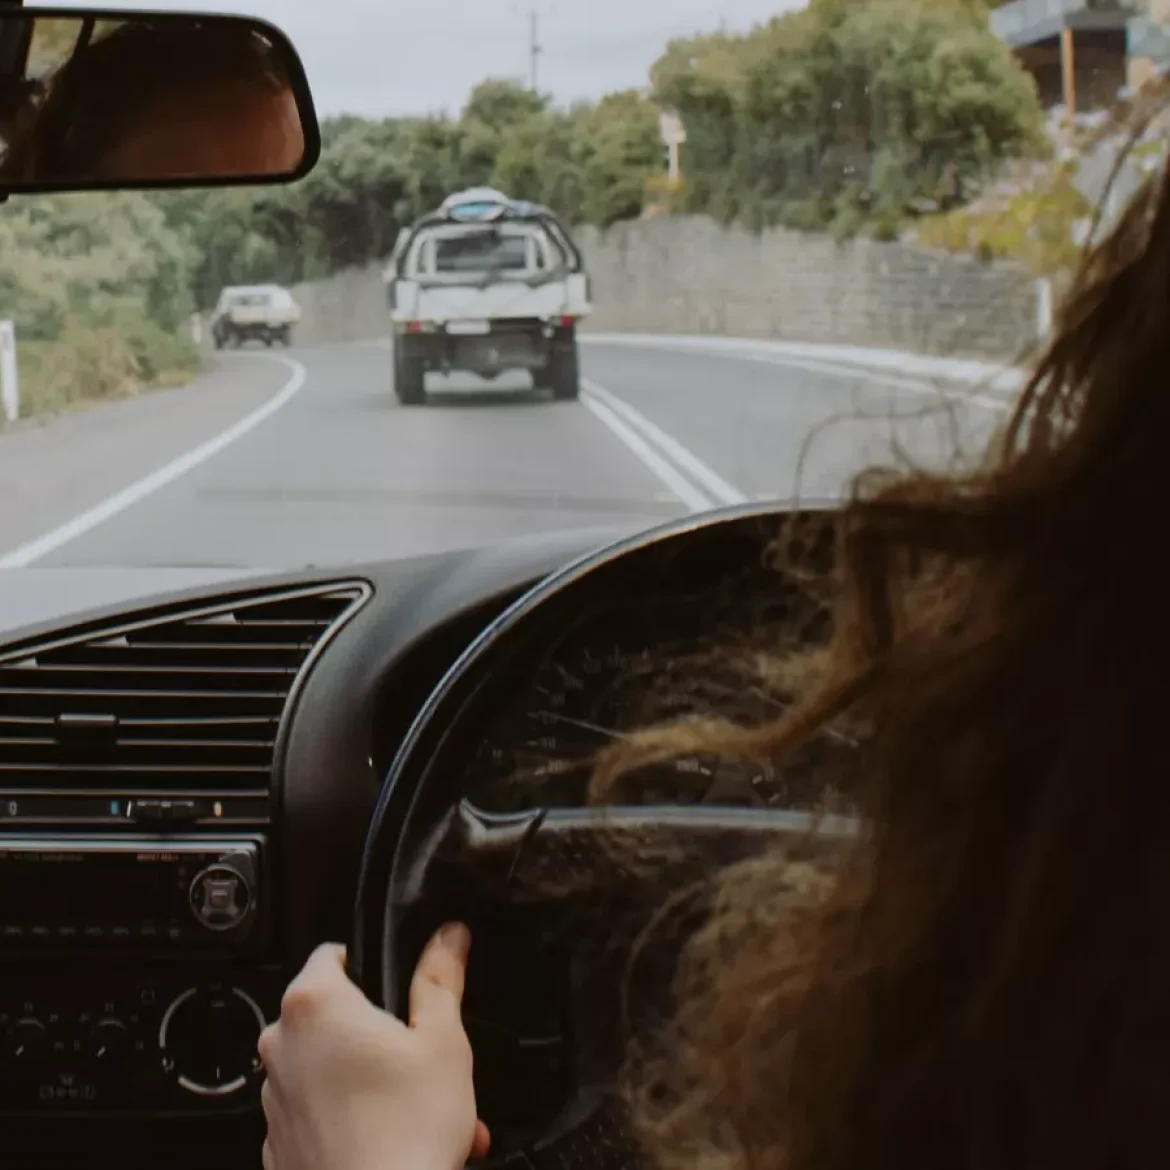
[136, 975]
[141, 953]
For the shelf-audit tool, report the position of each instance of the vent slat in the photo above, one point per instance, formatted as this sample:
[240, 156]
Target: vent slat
[190, 702]
[179, 652]
[9, 691]
[131, 745]
[129, 769]
[145, 664]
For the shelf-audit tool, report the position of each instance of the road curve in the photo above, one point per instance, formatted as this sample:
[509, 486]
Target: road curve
[286, 459]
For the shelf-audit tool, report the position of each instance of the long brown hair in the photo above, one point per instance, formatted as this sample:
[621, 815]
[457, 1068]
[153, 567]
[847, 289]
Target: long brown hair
[985, 980]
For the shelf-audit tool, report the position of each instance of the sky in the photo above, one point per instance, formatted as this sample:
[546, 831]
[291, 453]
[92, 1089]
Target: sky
[388, 57]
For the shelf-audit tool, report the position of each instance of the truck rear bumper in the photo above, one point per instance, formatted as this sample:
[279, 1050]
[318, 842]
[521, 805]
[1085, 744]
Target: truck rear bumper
[517, 344]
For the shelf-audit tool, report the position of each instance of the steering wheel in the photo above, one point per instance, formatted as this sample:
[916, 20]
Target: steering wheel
[556, 898]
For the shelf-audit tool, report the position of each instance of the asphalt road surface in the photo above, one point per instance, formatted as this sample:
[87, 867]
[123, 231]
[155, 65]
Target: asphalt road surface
[284, 459]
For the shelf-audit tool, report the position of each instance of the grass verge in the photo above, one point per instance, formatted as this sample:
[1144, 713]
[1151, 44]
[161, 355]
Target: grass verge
[90, 364]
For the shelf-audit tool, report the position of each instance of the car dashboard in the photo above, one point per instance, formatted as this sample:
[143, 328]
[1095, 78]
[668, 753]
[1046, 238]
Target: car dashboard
[186, 785]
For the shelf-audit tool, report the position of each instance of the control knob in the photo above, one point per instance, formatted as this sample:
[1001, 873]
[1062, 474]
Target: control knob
[221, 895]
[109, 1043]
[208, 1040]
[27, 1041]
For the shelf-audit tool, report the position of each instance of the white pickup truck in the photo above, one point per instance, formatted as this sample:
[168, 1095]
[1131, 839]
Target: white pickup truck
[261, 312]
[486, 284]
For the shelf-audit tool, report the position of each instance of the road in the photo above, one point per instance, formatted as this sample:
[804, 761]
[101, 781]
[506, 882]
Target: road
[287, 459]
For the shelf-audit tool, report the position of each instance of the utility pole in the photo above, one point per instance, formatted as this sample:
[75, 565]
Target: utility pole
[1068, 71]
[534, 47]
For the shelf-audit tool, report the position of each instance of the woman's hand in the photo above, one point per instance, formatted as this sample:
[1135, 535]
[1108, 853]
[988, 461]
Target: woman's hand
[351, 1087]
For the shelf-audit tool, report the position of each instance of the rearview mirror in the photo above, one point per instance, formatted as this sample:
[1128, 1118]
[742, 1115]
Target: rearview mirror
[92, 100]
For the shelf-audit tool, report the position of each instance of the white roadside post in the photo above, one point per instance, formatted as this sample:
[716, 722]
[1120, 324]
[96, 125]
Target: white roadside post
[9, 379]
[1044, 310]
[197, 328]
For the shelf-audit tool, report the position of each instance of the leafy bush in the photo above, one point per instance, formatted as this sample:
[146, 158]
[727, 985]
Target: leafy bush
[98, 363]
[160, 356]
[99, 289]
[1032, 224]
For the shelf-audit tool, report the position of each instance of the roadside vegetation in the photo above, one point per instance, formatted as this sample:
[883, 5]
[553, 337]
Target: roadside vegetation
[844, 117]
[98, 287]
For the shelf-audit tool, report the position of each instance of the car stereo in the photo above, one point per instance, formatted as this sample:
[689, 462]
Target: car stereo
[127, 895]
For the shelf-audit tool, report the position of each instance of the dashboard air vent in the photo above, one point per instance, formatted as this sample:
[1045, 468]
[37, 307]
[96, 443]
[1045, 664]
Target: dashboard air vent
[184, 700]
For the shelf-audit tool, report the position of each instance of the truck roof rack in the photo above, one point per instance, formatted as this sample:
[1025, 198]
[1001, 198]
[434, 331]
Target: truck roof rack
[486, 205]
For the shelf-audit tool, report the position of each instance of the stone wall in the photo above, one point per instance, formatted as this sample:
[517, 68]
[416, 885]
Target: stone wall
[692, 275]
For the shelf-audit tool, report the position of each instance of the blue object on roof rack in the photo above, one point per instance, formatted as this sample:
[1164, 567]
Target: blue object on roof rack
[475, 205]
[475, 212]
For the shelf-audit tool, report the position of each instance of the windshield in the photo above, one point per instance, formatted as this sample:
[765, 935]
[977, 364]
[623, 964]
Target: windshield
[812, 237]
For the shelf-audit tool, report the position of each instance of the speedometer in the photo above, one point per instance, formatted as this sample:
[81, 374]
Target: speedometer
[595, 691]
[680, 630]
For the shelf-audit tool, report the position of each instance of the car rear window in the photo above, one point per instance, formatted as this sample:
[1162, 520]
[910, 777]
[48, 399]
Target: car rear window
[481, 251]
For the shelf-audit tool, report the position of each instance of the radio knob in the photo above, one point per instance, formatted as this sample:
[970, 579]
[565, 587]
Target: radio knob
[208, 1040]
[220, 897]
[27, 1041]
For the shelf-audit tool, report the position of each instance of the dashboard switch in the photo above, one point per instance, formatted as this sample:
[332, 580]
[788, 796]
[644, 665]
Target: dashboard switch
[152, 811]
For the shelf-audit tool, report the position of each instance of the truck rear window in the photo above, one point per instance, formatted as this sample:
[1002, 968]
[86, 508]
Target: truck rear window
[481, 252]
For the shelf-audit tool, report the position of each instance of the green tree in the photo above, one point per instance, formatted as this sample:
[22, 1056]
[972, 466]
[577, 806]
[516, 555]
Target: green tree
[494, 110]
[845, 113]
[624, 149]
[93, 257]
[851, 108]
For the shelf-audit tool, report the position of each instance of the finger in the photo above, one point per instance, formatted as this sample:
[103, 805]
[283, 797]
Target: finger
[325, 964]
[437, 989]
[268, 1102]
[322, 980]
[482, 1142]
[267, 1045]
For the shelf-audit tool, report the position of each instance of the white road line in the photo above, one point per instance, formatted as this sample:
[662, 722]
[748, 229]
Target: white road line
[34, 550]
[965, 371]
[926, 389]
[857, 372]
[682, 488]
[715, 485]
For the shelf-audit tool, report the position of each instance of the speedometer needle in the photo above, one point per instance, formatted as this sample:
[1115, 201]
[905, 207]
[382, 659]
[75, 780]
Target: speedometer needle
[582, 724]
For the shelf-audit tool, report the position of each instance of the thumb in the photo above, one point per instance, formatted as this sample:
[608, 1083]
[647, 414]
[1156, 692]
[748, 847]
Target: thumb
[436, 992]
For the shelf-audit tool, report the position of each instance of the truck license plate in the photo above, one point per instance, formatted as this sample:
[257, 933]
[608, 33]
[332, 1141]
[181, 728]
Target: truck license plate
[468, 327]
